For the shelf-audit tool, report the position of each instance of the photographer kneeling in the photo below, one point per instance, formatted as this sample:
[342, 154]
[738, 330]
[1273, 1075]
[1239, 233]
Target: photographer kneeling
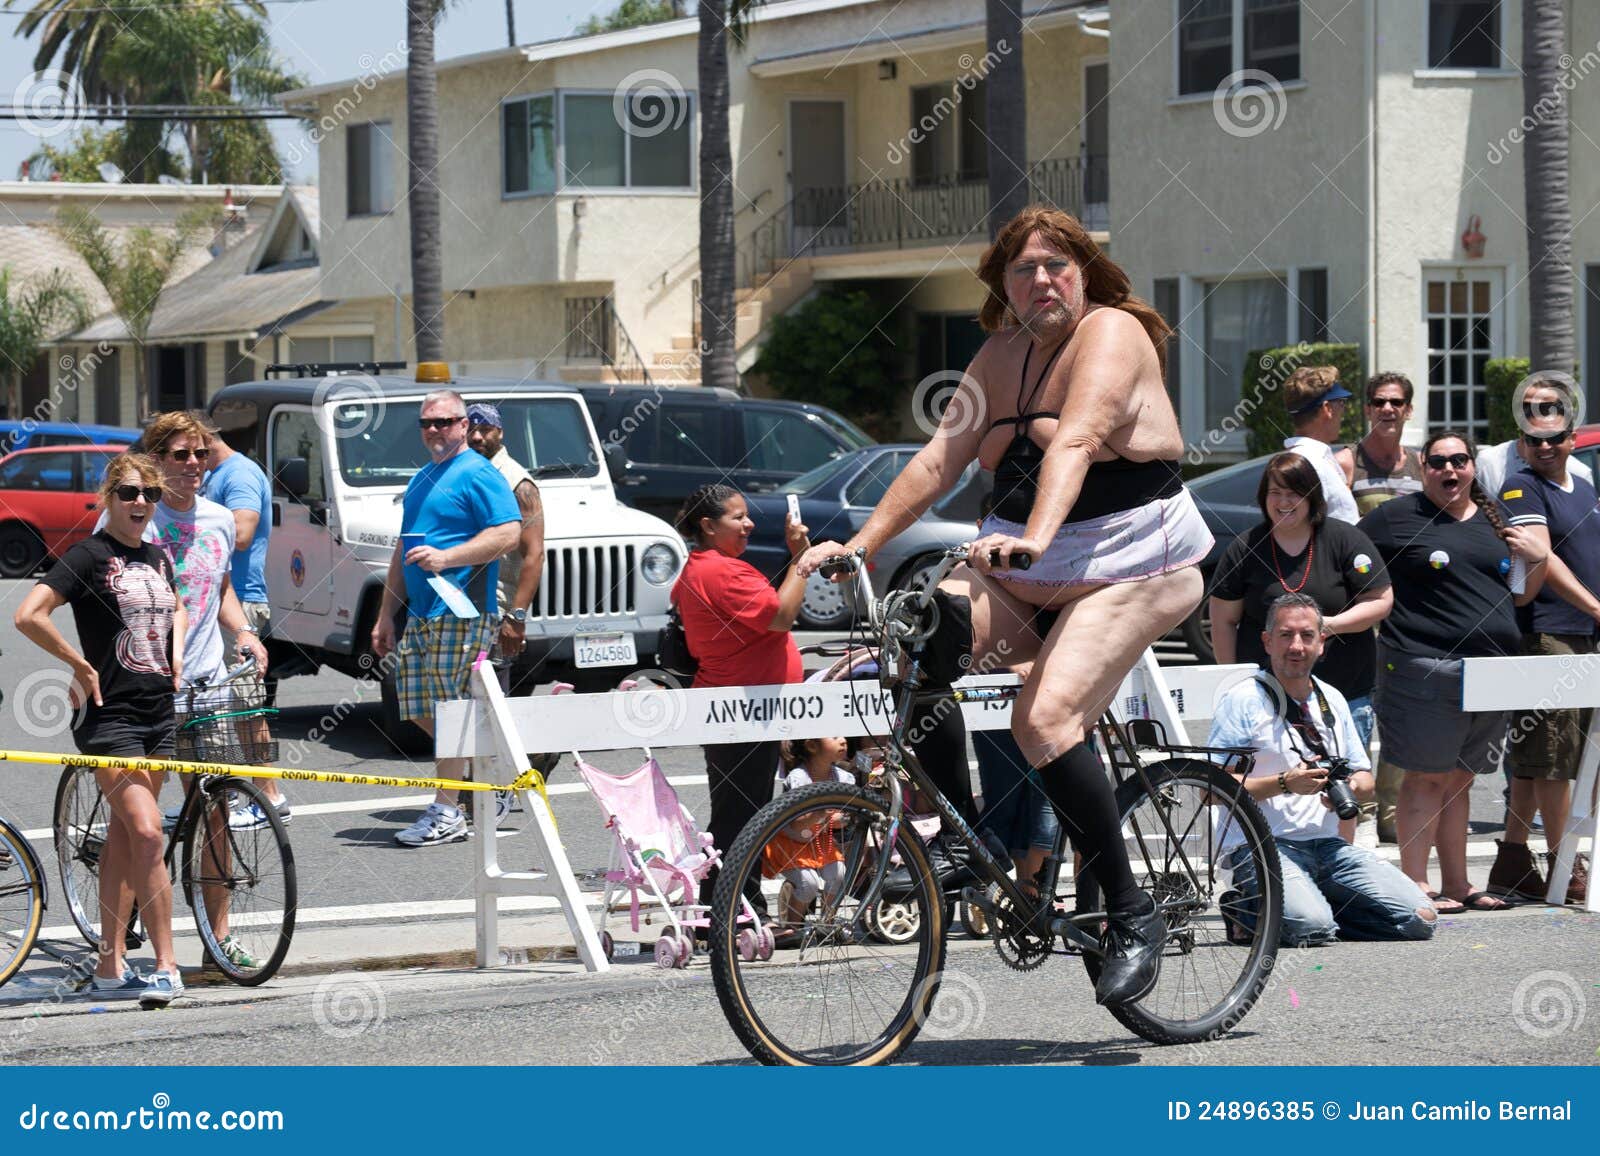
[1310, 763]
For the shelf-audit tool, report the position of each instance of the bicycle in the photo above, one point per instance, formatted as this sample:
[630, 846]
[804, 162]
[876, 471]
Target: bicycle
[238, 871]
[22, 899]
[1184, 814]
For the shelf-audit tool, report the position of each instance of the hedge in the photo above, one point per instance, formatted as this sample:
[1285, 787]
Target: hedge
[1265, 421]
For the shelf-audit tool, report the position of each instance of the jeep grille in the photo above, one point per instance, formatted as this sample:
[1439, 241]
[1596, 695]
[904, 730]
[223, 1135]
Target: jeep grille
[585, 581]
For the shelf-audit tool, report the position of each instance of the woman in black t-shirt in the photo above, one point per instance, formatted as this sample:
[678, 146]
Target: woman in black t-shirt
[1450, 556]
[130, 622]
[1298, 550]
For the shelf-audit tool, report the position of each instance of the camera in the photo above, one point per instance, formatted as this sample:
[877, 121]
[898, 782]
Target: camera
[1339, 792]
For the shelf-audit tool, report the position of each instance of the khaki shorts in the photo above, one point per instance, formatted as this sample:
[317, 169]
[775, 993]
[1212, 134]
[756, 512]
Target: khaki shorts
[1548, 744]
[436, 657]
[258, 617]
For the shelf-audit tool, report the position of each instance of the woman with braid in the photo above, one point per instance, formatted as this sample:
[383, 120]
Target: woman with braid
[1453, 562]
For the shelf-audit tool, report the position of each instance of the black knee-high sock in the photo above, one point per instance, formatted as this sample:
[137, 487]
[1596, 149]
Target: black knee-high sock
[941, 747]
[1082, 797]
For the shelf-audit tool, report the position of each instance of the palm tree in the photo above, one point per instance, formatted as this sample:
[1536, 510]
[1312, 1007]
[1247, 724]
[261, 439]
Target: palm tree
[51, 305]
[134, 269]
[1547, 187]
[1006, 113]
[422, 147]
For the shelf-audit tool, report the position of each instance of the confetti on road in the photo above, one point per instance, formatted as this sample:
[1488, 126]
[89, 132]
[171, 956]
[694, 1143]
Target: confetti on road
[1294, 998]
[1476, 946]
[1319, 968]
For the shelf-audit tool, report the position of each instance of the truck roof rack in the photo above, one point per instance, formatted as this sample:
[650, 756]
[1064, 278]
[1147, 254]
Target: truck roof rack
[332, 368]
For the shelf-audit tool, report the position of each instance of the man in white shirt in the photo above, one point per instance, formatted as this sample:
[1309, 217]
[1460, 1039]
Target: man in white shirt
[1316, 403]
[1299, 727]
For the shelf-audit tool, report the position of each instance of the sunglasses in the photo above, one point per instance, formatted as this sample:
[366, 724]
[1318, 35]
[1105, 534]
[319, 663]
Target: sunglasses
[152, 494]
[1454, 461]
[437, 422]
[1388, 403]
[185, 455]
[1554, 439]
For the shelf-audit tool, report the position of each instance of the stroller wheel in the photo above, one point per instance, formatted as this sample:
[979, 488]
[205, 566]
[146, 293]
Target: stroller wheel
[765, 942]
[749, 944]
[667, 952]
[607, 945]
[685, 949]
[895, 921]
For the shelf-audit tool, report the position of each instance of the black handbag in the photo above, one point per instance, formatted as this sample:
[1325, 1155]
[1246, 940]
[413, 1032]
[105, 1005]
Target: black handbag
[672, 647]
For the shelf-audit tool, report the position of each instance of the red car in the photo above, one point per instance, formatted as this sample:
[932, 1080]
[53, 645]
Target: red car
[49, 499]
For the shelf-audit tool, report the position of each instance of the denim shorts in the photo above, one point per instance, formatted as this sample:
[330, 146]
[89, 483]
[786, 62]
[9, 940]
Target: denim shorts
[1015, 807]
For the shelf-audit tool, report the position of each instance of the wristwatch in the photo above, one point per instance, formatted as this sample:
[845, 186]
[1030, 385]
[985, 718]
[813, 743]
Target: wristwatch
[519, 616]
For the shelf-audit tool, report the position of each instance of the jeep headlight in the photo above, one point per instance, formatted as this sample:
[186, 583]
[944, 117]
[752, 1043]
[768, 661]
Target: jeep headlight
[659, 564]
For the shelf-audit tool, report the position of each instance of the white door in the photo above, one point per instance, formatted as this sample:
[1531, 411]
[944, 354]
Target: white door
[1463, 326]
[300, 553]
[817, 175]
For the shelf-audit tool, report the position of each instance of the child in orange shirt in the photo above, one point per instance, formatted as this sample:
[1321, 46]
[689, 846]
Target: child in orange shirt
[805, 854]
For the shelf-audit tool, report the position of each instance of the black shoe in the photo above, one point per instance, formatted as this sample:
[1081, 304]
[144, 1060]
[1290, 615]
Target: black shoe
[951, 869]
[1132, 946]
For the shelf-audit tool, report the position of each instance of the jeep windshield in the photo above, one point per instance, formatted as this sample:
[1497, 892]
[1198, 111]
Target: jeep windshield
[379, 443]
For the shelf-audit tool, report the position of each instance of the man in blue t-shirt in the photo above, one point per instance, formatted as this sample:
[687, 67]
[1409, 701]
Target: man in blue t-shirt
[458, 518]
[1544, 747]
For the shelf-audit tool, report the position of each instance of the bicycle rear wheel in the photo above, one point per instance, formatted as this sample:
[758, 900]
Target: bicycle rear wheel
[839, 996]
[81, 819]
[1210, 977]
[239, 877]
[21, 900]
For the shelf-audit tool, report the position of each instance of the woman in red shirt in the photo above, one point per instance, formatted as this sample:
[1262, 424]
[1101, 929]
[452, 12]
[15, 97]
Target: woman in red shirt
[737, 627]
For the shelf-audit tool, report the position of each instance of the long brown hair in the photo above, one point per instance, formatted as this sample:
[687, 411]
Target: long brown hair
[1483, 501]
[1104, 282]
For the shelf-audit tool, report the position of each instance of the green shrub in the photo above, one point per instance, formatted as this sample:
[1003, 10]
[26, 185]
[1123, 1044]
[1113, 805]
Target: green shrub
[832, 351]
[1260, 409]
[1500, 377]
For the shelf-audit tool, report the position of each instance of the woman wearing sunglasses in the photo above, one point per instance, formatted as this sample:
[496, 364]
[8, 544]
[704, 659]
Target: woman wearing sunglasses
[1450, 554]
[131, 624]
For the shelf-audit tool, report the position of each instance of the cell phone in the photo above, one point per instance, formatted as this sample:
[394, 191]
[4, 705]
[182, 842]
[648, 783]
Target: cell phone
[794, 508]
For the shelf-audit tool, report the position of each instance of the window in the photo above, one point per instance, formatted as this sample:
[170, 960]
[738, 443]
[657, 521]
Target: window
[1589, 351]
[680, 435]
[790, 443]
[1232, 486]
[651, 147]
[369, 168]
[295, 435]
[1311, 293]
[1464, 34]
[237, 365]
[56, 439]
[528, 135]
[947, 341]
[94, 470]
[948, 137]
[867, 488]
[1169, 304]
[329, 350]
[1460, 314]
[107, 395]
[51, 472]
[1241, 316]
[1217, 38]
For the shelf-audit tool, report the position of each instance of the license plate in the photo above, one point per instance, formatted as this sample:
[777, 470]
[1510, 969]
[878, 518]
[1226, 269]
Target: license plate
[604, 650]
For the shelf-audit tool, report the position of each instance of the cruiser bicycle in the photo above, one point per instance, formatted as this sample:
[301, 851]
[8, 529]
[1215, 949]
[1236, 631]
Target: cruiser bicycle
[846, 997]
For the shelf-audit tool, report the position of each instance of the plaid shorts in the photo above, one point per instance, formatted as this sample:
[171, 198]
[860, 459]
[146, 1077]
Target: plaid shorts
[436, 657]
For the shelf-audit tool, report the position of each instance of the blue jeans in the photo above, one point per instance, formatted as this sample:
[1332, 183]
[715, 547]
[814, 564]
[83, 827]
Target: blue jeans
[1334, 890]
[1361, 714]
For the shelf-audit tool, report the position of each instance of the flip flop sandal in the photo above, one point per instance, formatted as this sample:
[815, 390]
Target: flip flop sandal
[1444, 904]
[1472, 901]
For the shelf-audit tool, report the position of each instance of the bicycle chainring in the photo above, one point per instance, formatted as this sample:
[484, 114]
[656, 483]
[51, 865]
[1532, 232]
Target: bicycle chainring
[1018, 945]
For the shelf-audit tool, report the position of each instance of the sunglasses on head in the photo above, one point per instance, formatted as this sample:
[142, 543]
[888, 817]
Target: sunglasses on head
[438, 422]
[1554, 439]
[1388, 403]
[185, 455]
[1454, 461]
[152, 494]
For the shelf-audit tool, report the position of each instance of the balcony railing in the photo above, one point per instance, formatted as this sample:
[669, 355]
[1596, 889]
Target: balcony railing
[596, 333]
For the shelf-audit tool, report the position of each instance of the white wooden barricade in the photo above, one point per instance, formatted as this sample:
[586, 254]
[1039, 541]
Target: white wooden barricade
[495, 732]
[1548, 682]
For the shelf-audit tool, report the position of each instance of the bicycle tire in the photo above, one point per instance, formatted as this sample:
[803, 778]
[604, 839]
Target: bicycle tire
[220, 857]
[736, 980]
[21, 900]
[80, 818]
[1257, 959]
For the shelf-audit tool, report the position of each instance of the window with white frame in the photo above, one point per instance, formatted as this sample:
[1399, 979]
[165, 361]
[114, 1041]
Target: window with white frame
[1217, 38]
[1241, 315]
[369, 168]
[1462, 318]
[1464, 34]
[528, 145]
[643, 140]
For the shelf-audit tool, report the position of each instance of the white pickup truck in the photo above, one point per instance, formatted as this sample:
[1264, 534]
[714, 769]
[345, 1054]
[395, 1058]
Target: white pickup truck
[340, 449]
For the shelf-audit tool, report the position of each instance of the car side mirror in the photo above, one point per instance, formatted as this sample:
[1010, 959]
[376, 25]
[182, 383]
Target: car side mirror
[616, 461]
[294, 475]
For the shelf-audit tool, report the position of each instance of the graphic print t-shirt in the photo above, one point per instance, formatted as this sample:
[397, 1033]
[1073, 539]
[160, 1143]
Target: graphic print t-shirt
[122, 600]
[199, 542]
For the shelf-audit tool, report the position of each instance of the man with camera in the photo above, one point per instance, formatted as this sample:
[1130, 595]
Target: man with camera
[1310, 770]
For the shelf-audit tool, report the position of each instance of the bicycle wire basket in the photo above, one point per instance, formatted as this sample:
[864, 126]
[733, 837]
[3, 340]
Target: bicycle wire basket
[225, 724]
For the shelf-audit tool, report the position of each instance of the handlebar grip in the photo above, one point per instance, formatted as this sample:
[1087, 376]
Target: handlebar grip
[1021, 560]
[837, 565]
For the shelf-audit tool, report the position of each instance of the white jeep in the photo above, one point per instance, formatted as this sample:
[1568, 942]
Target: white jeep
[340, 449]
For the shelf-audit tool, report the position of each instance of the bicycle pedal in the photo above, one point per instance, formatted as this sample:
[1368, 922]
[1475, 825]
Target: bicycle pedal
[979, 899]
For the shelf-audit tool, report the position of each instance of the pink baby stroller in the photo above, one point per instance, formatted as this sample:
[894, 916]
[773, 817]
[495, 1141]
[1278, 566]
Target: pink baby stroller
[659, 854]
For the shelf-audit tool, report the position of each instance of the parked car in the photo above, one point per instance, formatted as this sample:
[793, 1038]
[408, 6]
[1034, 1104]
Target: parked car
[340, 461]
[24, 435]
[836, 499]
[668, 441]
[49, 500]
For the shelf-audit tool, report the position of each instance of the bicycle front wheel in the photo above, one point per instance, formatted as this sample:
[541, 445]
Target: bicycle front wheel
[832, 994]
[1182, 839]
[82, 819]
[238, 875]
[21, 900]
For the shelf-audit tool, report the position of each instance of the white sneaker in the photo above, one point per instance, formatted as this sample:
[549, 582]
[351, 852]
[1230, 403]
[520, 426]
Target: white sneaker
[245, 817]
[504, 804]
[131, 985]
[440, 823]
[161, 989]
